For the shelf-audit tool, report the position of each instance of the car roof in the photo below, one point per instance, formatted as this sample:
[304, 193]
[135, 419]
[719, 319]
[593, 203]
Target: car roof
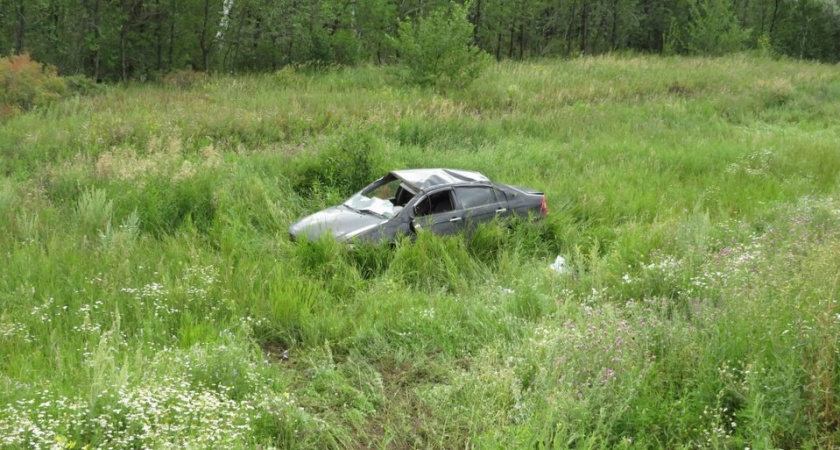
[421, 179]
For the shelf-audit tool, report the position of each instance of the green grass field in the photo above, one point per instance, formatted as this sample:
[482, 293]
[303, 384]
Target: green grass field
[150, 296]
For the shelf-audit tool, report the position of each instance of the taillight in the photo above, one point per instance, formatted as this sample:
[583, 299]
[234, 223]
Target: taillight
[543, 207]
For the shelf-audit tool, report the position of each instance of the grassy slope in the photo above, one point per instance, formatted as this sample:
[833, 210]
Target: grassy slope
[150, 294]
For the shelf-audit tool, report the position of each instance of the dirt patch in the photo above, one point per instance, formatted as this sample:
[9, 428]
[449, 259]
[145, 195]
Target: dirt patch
[275, 352]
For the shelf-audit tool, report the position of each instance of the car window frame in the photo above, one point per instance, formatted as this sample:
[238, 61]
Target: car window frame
[498, 195]
[423, 196]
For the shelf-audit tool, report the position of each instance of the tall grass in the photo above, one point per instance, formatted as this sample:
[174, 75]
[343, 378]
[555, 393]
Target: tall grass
[150, 295]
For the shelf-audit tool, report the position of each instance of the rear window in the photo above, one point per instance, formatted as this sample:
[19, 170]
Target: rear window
[473, 196]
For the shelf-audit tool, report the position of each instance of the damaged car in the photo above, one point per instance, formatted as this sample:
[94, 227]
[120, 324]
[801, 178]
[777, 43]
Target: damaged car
[443, 201]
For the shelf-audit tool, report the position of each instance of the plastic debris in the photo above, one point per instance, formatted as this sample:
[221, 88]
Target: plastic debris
[559, 265]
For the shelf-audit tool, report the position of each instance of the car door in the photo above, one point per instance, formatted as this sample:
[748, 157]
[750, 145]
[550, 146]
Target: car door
[480, 204]
[436, 212]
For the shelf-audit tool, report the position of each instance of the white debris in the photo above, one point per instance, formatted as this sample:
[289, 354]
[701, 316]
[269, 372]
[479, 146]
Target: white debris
[559, 265]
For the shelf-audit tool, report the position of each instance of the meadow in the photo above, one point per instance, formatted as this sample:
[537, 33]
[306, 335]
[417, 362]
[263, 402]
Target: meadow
[150, 296]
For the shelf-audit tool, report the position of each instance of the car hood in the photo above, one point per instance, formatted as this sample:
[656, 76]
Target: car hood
[338, 221]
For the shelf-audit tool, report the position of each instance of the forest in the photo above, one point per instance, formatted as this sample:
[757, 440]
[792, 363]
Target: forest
[144, 39]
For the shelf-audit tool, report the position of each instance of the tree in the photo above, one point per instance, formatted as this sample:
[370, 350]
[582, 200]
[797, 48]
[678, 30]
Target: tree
[143, 39]
[374, 21]
[714, 28]
[438, 50]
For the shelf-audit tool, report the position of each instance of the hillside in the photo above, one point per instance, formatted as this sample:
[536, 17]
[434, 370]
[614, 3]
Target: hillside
[150, 295]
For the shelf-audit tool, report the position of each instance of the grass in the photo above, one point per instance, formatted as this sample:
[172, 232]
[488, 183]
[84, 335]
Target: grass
[151, 297]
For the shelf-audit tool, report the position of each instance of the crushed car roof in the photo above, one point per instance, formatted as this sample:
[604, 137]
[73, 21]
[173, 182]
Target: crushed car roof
[426, 178]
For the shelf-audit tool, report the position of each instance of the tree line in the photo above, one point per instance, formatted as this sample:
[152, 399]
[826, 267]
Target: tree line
[142, 39]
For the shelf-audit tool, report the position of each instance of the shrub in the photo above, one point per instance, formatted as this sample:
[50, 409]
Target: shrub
[26, 84]
[82, 85]
[290, 76]
[714, 30]
[438, 49]
[185, 79]
[345, 167]
[93, 210]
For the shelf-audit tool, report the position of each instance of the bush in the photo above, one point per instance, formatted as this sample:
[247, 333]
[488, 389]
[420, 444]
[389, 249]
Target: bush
[344, 168]
[82, 85]
[438, 49]
[185, 79]
[26, 84]
[94, 210]
[290, 76]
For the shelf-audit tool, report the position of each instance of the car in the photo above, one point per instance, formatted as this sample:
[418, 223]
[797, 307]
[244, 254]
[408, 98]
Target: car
[403, 202]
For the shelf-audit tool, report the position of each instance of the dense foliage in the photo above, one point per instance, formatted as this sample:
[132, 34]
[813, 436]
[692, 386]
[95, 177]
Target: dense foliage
[143, 39]
[26, 84]
[150, 296]
[437, 49]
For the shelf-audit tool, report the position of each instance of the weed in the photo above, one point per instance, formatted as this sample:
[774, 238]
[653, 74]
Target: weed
[94, 210]
[8, 199]
[151, 297]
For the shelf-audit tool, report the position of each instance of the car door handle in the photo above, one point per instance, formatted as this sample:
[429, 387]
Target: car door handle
[501, 210]
[455, 219]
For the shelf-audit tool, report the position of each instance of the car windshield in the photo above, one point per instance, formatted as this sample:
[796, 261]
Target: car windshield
[374, 205]
[383, 198]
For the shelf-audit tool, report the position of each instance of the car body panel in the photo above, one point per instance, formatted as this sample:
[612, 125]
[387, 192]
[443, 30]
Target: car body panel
[443, 201]
[491, 203]
[337, 220]
[449, 222]
[423, 179]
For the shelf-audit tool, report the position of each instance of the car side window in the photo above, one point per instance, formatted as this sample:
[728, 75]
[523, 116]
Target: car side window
[435, 203]
[501, 196]
[473, 196]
